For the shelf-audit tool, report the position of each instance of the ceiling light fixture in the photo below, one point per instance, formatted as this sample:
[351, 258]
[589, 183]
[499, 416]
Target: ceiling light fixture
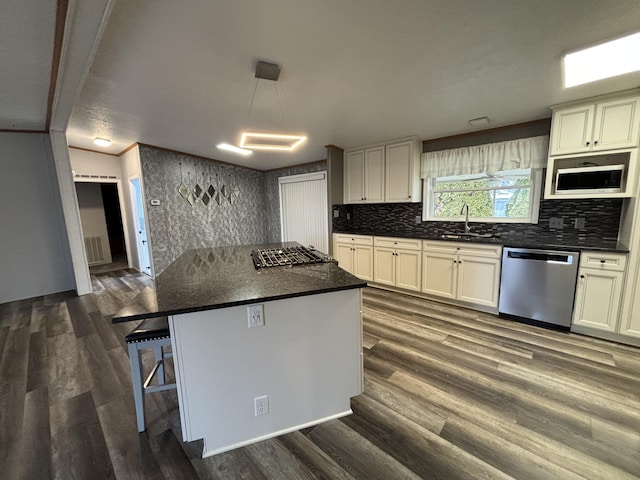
[606, 60]
[102, 142]
[269, 141]
[479, 121]
[232, 148]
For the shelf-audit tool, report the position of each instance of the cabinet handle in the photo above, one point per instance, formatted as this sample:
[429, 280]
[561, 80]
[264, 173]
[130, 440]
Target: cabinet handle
[588, 143]
[596, 142]
[409, 196]
[602, 261]
[455, 261]
[581, 276]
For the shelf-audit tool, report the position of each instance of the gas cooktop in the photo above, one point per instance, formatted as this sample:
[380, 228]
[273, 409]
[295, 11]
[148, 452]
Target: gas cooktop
[278, 257]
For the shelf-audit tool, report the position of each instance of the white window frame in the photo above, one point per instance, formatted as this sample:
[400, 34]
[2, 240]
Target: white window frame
[534, 205]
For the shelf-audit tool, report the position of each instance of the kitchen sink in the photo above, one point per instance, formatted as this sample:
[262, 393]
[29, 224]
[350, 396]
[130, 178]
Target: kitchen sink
[470, 235]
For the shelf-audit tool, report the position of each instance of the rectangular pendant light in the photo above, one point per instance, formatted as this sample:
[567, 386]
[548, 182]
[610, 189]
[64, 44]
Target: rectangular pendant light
[606, 60]
[270, 141]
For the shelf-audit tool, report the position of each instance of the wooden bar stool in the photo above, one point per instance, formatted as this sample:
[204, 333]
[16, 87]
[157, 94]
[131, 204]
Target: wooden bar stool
[151, 333]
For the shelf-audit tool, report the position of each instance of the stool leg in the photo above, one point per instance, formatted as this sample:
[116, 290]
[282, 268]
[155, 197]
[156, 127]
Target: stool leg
[137, 380]
[160, 358]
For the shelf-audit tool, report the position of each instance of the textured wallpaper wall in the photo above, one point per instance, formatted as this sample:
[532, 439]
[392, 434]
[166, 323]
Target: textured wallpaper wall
[243, 207]
[233, 215]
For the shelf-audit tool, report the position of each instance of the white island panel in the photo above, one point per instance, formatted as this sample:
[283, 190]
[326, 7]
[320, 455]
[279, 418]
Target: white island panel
[307, 359]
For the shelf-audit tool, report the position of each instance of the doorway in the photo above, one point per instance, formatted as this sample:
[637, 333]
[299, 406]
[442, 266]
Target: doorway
[140, 224]
[102, 226]
[303, 210]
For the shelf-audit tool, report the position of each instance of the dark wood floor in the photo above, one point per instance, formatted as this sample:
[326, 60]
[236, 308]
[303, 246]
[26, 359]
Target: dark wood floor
[449, 393]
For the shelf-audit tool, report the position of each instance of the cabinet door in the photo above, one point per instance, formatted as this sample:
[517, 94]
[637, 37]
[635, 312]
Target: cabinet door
[399, 172]
[439, 274]
[374, 175]
[478, 280]
[408, 269]
[344, 255]
[384, 265]
[354, 177]
[616, 124]
[363, 262]
[598, 296]
[571, 130]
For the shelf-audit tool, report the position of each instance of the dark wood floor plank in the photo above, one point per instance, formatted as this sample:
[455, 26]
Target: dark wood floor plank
[31, 457]
[428, 455]
[38, 369]
[356, 454]
[312, 457]
[67, 375]
[78, 446]
[129, 451]
[173, 461]
[13, 384]
[275, 461]
[80, 319]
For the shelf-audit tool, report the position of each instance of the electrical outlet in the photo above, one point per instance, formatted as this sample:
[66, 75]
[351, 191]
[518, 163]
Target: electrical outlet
[336, 213]
[556, 222]
[255, 314]
[261, 405]
[579, 223]
[418, 219]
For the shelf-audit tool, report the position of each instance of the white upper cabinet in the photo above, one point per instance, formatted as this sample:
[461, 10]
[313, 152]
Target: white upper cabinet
[381, 173]
[605, 125]
[402, 172]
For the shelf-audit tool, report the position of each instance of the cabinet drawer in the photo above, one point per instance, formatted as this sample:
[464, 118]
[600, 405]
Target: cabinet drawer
[401, 243]
[353, 239]
[472, 249]
[604, 261]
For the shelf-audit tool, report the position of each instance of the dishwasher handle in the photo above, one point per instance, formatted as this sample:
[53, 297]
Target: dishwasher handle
[542, 256]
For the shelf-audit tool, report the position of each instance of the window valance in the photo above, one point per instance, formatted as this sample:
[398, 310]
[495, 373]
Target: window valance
[529, 152]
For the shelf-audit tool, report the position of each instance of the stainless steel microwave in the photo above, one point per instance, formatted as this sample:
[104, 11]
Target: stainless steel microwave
[601, 179]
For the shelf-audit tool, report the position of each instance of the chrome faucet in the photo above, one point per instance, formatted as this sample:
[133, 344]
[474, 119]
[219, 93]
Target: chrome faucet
[465, 209]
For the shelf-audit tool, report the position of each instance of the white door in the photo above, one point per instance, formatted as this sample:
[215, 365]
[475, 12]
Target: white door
[141, 227]
[303, 210]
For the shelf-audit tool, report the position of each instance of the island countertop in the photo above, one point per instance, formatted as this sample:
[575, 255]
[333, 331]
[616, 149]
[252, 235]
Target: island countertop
[220, 277]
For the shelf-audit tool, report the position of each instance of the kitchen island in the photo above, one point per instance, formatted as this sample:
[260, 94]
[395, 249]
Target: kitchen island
[236, 384]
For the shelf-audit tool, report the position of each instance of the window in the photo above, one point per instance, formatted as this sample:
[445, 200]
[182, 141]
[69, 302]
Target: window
[501, 197]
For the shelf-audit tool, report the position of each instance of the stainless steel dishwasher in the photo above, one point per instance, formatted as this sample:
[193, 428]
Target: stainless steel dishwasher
[538, 285]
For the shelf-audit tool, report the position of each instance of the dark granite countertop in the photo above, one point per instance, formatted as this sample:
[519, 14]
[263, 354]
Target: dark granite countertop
[514, 241]
[211, 278]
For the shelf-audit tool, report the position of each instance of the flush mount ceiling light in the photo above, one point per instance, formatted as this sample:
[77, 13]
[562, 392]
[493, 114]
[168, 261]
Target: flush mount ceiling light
[479, 121]
[270, 141]
[606, 60]
[234, 149]
[265, 140]
[102, 142]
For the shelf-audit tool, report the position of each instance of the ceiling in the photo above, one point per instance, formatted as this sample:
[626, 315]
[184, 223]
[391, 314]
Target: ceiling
[180, 75]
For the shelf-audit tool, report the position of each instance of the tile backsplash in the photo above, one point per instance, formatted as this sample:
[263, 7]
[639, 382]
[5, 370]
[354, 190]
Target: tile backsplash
[601, 221]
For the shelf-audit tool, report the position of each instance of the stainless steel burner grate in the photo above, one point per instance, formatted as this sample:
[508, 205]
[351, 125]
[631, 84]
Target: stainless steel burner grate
[277, 257]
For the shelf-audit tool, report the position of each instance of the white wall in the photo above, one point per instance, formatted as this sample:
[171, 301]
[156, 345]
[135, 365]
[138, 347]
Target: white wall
[130, 167]
[94, 222]
[34, 251]
[94, 164]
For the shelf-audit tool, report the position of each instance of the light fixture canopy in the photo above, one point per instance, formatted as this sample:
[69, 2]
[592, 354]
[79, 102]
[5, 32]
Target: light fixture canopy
[606, 60]
[270, 141]
[102, 142]
[232, 148]
[479, 121]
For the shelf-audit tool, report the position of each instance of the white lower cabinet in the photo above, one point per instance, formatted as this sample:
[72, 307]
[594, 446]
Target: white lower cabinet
[599, 291]
[397, 262]
[462, 271]
[354, 254]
